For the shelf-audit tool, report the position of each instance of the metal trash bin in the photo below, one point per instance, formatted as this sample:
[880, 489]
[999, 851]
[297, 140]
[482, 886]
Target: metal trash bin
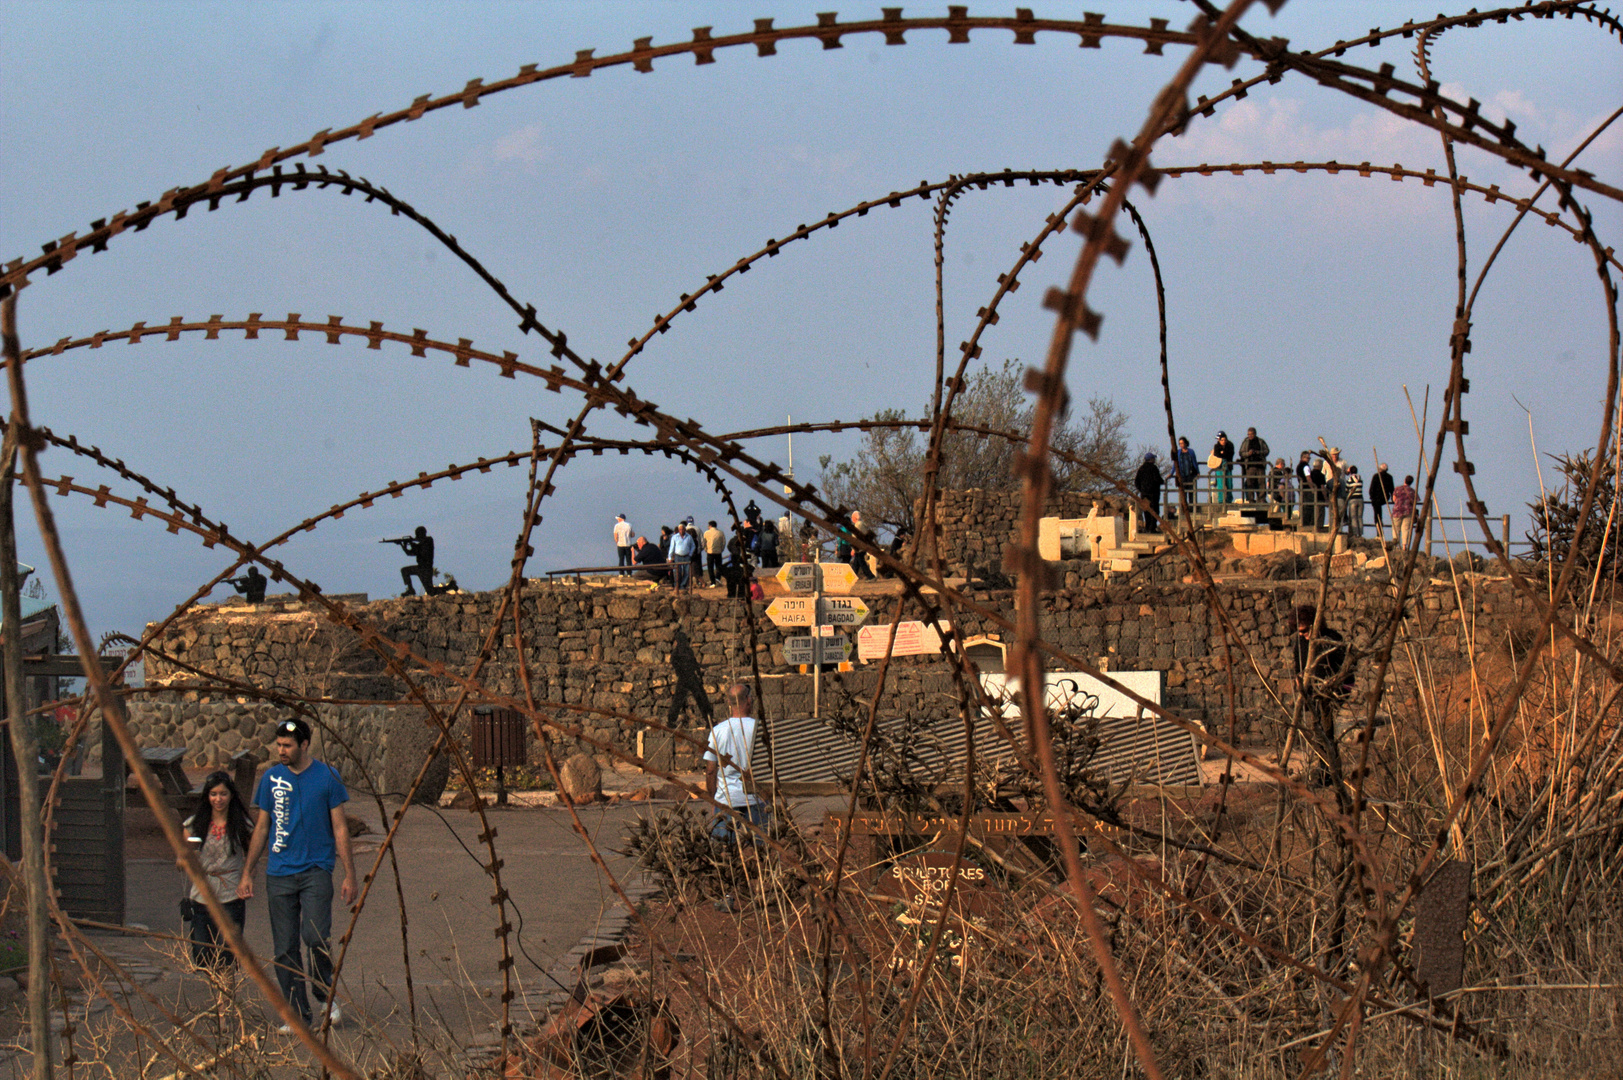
[498, 741]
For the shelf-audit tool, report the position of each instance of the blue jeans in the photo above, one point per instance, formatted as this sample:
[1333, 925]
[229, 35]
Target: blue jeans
[301, 909]
[684, 569]
[722, 827]
[1223, 484]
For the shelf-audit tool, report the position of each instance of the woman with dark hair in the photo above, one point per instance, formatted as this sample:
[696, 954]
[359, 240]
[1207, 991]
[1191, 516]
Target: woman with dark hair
[221, 830]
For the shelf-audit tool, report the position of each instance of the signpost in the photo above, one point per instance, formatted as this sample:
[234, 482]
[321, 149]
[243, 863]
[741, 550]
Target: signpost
[837, 577]
[841, 611]
[816, 650]
[805, 577]
[798, 577]
[789, 611]
[807, 607]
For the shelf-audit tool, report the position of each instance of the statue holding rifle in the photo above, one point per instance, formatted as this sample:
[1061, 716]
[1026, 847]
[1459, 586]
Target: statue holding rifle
[250, 585]
[419, 546]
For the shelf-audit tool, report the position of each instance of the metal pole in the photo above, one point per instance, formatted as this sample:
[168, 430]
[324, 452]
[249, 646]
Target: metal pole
[817, 646]
[25, 744]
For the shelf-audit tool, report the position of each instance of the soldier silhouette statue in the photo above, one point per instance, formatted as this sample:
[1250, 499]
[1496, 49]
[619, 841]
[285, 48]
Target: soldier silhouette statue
[419, 546]
[689, 681]
[251, 585]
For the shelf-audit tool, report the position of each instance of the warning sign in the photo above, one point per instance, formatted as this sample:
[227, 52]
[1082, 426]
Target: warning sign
[912, 639]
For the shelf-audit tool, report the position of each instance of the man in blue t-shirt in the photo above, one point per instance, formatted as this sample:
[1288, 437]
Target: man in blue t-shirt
[301, 813]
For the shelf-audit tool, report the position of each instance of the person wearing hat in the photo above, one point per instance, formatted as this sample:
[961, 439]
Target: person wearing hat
[1381, 487]
[622, 541]
[1279, 485]
[1311, 483]
[1333, 488]
[1221, 463]
[301, 813]
[1147, 482]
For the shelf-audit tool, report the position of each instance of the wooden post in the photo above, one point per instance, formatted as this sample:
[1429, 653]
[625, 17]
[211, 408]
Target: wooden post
[25, 744]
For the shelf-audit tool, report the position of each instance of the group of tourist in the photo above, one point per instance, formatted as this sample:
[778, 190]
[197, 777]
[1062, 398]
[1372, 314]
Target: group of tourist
[684, 554]
[1322, 484]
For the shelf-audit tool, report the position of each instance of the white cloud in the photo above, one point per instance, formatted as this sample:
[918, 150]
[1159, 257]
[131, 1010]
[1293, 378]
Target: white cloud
[1514, 104]
[802, 159]
[1276, 130]
[1281, 129]
[524, 147]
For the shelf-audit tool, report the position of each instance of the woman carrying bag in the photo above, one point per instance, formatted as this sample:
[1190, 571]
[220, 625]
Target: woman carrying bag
[221, 830]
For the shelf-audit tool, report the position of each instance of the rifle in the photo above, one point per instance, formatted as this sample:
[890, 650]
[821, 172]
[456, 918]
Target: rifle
[237, 581]
[401, 540]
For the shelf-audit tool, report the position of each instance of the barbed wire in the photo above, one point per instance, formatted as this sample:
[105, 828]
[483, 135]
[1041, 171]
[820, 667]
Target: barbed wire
[725, 463]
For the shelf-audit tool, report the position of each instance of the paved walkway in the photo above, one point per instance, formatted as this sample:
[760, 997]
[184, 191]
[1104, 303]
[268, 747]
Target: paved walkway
[560, 903]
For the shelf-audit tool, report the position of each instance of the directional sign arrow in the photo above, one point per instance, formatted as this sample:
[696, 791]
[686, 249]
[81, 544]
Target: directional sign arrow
[841, 611]
[837, 577]
[798, 577]
[795, 611]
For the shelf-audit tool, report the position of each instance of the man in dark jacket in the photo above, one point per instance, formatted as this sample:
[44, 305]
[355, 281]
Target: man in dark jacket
[1380, 493]
[650, 560]
[1185, 468]
[1253, 464]
[1148, 483]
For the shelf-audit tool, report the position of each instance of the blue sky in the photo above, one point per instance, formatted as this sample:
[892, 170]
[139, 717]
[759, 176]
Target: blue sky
[1301, 304]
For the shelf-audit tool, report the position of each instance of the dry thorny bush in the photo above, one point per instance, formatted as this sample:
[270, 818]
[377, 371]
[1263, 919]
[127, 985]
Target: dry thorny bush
[1009, 988]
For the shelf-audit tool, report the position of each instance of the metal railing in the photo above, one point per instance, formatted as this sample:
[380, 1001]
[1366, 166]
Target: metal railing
[1282, 497]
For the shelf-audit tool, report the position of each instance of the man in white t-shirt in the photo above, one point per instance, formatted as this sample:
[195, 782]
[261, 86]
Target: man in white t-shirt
[727, 765]
[622, 540]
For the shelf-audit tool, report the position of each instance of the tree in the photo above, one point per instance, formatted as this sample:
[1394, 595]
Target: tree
[1555, 518]
[886, 477]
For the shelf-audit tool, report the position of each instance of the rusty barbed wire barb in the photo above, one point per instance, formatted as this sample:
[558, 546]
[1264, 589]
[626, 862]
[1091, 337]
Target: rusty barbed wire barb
[1383, 974]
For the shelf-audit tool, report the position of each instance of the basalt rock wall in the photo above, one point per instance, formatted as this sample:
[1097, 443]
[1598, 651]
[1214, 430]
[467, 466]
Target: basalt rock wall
[977, 525]
[641, 655]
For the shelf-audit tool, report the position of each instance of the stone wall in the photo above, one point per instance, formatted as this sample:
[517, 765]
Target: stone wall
[977, 525]
[375, 747]
[626, 651]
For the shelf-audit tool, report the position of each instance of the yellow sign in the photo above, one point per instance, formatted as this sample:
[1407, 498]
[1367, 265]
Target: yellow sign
[798, 577]
[837, 577]
[841, 611]
[793, 611]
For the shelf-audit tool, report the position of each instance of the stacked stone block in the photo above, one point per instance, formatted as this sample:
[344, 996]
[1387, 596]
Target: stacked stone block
[590, 647]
